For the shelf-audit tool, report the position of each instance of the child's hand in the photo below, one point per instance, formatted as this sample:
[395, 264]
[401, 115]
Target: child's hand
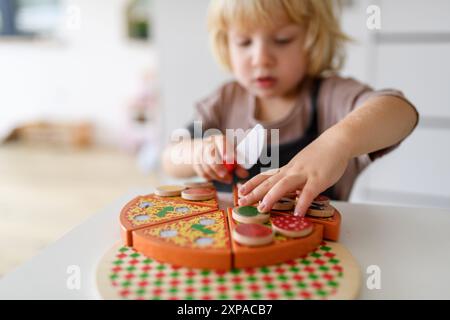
[313, 170]
[209, 163]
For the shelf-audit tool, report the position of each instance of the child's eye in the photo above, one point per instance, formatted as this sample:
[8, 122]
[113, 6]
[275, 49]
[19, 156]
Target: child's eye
[244, 43]
[283, 40]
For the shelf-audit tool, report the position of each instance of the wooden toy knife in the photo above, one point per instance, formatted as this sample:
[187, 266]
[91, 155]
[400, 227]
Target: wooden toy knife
[249, 149]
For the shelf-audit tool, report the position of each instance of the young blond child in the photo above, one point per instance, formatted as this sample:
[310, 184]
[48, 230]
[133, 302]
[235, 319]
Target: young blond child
[284, 55]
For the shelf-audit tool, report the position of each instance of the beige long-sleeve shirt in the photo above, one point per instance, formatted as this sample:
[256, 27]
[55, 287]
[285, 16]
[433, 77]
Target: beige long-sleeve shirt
[233, 107]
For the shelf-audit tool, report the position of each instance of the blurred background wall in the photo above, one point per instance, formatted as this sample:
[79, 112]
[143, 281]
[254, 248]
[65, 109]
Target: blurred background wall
[79, 107]
[81, 65]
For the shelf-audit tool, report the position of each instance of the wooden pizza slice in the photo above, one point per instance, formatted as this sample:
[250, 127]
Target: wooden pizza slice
[148, 210]
[200, 241]
[281, 249]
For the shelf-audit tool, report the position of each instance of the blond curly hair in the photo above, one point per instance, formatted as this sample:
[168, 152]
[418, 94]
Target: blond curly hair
[325, 39]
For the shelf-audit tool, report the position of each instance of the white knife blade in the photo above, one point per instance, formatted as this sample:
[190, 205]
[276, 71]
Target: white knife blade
[250, 148]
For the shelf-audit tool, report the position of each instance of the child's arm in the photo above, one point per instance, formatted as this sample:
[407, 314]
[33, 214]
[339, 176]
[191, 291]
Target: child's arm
[202, 157]
[379, 123]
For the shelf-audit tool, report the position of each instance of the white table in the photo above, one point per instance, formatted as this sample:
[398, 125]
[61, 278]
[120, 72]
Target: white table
[411, 246]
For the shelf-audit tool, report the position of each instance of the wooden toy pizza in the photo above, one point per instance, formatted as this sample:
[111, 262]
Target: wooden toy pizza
[178, 246]
[145, 211]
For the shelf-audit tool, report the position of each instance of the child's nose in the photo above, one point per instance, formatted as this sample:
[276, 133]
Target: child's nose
[262, 57]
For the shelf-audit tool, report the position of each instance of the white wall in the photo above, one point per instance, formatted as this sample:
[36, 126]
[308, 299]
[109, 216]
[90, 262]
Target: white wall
[188, 70]
[90, 72]
[410, 52]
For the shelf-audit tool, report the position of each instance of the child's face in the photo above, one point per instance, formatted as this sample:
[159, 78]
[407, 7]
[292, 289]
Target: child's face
[268, 61]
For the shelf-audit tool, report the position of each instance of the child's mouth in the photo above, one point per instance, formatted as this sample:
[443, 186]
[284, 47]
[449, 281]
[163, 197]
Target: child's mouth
[265, 82]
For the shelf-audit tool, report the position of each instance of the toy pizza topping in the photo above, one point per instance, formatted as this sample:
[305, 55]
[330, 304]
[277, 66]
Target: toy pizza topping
[321, 198]
[171, 188]
[205, 184]
[204, 241]
[291, 195]
[182, 210]
[248, 211]
[285, 200]
[253, 230]
[291, 223]
[145, 204]
[198, 191]
[141, 217]
[317, 206]
[168, 233]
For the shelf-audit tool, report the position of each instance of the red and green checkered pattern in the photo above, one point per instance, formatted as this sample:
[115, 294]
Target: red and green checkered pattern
[315, 276]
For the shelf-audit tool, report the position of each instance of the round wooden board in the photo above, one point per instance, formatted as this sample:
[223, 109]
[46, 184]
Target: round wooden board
[330, 272]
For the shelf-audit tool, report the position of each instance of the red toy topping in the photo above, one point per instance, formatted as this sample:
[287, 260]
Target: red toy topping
[291, 223]
[253, 230]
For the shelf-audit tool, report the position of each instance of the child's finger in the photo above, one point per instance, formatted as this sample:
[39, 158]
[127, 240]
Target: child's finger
[307, 195]
[199, 171]
[251, 184]
[256, 181]
[279, 190]
[260, 191]
[209, 155]
[212, 163]
[221, 172]
[210, 172]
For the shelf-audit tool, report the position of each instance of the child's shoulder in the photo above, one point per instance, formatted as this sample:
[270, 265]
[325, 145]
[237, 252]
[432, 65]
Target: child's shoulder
[342, 89]
[337, 81]
[340, 95]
